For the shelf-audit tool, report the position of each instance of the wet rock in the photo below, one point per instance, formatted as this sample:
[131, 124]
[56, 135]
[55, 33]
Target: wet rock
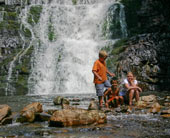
[141, 104]
[42, 117]
[59, 100]
[165, 112]
[166, 115]
[93, 105]
[148, 99]
[75, 117]
[28, 113]
[155, 108]
[5, 111]
[7, 120]
[76, 100]
[167, 104]
[75, 104]
[51, 111]
[167, 99]
[2, 2]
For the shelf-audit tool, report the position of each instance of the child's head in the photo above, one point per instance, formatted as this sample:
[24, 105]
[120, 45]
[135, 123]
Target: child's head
[103, 54]
[130, 76]
[114, 82]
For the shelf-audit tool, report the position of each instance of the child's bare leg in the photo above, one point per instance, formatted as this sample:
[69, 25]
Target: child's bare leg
[131, 93]
[137, 95]
[121, 100]
[100, 100]
[117, 101]
[107, 105]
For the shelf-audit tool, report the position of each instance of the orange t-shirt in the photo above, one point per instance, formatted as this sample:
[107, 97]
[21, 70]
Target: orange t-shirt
[101, 70]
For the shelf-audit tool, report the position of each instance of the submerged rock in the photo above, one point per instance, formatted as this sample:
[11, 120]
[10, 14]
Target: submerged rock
[75, 117]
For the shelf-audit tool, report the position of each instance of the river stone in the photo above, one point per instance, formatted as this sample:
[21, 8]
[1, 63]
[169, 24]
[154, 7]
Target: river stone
[7, 120]
[59, 100]
[5, 111]
[166, 115]
[93, 105]
[28, 113]
[165, 112]
[149, 98]
[155, 108]
[42, 117]
[76, 117]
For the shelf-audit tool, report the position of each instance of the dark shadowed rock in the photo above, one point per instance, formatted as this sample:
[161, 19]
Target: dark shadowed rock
[7, 120]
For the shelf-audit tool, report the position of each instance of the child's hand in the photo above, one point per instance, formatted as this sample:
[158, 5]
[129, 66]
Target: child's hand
[100, 79]
[140, 90]
[112, 75]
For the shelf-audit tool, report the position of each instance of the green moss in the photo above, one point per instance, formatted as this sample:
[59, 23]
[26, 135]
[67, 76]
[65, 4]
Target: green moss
[9, 25]
[10, 16]
[74, 2]
[111, 27]
[114, 51]
[34, 15]
[26, 31]
[51, 34]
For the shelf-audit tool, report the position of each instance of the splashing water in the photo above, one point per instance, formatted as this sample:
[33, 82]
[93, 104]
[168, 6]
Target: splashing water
[69, 37]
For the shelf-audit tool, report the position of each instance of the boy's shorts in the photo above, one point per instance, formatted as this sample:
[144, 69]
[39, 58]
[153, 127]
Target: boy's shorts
[100, 87]
[122, 93]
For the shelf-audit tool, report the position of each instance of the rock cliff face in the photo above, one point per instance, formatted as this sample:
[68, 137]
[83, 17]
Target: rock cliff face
[146, 52]
[14, 40]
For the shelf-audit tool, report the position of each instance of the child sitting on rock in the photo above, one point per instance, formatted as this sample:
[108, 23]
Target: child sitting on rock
[113, 94]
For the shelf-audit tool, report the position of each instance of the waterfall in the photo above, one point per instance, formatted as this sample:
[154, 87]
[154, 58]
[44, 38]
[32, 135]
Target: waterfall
[67, 39]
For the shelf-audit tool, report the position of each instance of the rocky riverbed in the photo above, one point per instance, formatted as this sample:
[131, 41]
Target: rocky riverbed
[141, 121]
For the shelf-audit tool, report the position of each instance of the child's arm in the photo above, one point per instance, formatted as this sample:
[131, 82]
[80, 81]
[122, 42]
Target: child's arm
[111, 74]
[107, 92]
[97, 75]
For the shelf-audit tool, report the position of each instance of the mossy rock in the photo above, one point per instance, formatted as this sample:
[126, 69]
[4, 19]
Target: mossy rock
[34, 15]
[74, 2]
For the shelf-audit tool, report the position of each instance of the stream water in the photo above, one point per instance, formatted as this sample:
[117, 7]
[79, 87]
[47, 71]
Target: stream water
[121, 125]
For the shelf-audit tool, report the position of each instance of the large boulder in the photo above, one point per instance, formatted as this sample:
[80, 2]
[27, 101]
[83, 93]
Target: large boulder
[76, 117]
[28, 113]
[146, 101]
[5, 112]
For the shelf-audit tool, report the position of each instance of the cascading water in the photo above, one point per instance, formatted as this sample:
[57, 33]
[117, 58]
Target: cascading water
[68, 38]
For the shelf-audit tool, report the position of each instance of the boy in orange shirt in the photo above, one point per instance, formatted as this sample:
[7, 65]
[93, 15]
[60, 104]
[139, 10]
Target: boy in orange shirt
[100, 72]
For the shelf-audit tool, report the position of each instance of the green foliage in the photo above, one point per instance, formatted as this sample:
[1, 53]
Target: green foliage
[114, 51]
[34, 14]
[74, 2]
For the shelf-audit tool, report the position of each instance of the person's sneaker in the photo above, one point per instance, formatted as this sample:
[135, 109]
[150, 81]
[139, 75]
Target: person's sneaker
[129, 109]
